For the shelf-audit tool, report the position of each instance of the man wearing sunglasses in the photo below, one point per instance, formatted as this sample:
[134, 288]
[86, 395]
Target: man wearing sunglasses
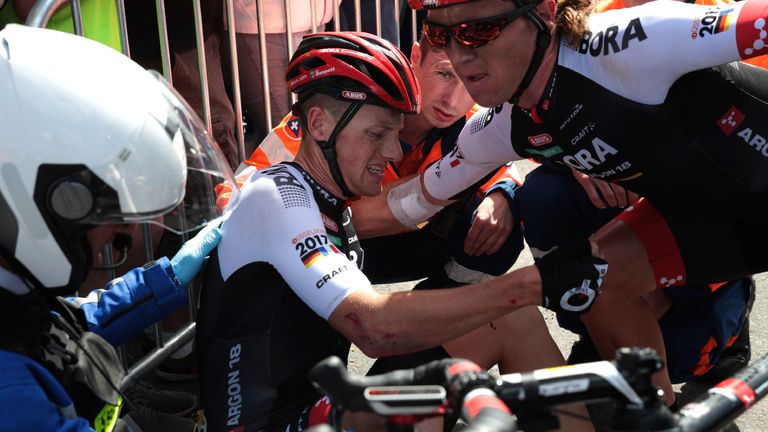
[619, 96]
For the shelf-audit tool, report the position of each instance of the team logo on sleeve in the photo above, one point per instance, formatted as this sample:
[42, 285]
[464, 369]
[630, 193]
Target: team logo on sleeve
[456, 157]
[313, 247]
[752, 32]
[715, 21]
[483, 118]
[731, 120]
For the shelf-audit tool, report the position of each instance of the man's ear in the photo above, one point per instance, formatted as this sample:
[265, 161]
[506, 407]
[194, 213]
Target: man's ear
[319, 123]
[546, 10]
[415, 54]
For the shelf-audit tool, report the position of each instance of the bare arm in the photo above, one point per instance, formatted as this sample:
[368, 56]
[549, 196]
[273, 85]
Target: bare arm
[403, 322]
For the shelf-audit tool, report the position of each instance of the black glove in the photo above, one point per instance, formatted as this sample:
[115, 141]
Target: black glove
[571, 277]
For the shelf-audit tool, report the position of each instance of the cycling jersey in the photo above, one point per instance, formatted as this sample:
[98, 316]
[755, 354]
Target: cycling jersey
[617, 108]
[606, 5]
[281, 268]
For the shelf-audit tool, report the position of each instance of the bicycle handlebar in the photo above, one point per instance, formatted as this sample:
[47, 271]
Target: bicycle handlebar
[407, 396]
[459, 385]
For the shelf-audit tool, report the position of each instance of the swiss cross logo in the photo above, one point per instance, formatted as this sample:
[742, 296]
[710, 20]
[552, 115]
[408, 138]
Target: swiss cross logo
[752, 39]
[731, 120]
[292, 128]
[540, 140]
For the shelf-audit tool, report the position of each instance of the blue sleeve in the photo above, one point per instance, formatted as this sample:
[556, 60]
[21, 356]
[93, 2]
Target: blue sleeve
[509, 188]
[31, 399]
[133, 302]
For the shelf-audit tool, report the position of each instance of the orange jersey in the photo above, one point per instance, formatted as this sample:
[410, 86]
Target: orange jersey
[283, 144]
[606, 5]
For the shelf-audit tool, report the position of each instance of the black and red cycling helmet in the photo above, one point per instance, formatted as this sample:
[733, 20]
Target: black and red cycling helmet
[354, 67]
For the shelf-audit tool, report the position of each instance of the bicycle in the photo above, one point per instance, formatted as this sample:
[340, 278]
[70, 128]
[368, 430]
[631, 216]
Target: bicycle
[406, 397]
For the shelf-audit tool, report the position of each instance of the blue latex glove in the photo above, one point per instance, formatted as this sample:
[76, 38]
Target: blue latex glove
[187, 262]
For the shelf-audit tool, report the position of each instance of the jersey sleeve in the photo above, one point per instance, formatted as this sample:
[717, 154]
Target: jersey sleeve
[642, 50]
[483, 146]
[278, 222]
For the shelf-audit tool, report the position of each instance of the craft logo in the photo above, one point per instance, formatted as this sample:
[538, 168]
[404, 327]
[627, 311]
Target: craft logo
[353, 95]
[540, 140]
[751, 39]
[328, 276]
[731, 120]
[292, 128]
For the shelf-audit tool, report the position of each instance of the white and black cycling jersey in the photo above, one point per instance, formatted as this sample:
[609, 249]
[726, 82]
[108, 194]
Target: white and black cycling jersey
[288, 256]
[617, 109]
[630, 103]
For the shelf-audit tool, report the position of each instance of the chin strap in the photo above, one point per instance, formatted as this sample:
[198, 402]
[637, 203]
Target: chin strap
[543, 38]
[329, 147]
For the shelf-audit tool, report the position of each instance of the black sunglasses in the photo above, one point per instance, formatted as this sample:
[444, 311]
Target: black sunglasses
[472, 34]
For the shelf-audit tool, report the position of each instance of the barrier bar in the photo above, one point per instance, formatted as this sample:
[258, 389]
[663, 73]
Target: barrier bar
[358, 26]
[42, 11]
[235, 77]
[158, 355]
[162, 33]
[312, 14]
[337, 15]
[124, 45]
[264, 68]
[377, 5]
[77, 17]
[202, 66]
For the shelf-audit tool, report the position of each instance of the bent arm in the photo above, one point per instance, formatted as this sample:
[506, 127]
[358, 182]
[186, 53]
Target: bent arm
[133, 302]
[483, 145]
[405, 322]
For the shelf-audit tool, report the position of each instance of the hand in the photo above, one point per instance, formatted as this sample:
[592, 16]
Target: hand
[604, 194]
[189, 259]
[491, 225]
[571, 276]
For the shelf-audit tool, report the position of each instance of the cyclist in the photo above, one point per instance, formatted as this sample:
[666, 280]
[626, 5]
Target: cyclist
[471, 240]
[586, 98]
[90, 142]
[281, 291]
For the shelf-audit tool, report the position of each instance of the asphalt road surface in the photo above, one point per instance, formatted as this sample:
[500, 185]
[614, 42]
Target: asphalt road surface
[755, 420]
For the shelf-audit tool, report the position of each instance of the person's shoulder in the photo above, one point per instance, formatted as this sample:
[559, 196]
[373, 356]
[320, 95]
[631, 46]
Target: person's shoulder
[280, 185]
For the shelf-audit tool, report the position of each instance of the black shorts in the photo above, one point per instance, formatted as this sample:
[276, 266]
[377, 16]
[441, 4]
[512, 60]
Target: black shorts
[691, 245]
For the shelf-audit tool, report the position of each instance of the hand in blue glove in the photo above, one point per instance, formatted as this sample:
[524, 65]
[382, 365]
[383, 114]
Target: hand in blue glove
[187, 262]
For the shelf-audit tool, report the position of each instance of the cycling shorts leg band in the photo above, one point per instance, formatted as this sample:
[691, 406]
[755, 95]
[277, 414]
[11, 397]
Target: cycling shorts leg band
[408, 203]
[659, 243]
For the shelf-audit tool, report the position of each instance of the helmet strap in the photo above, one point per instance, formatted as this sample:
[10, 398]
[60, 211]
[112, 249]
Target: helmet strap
[329, 147]
[543, 38]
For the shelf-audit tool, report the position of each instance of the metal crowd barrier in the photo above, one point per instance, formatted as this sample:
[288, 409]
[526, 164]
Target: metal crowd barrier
[44, 10]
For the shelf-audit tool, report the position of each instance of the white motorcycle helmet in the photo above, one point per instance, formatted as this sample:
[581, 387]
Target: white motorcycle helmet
[88, 137]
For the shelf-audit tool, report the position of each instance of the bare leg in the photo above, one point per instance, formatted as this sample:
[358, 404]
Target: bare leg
[621, 317]
[518, 342]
